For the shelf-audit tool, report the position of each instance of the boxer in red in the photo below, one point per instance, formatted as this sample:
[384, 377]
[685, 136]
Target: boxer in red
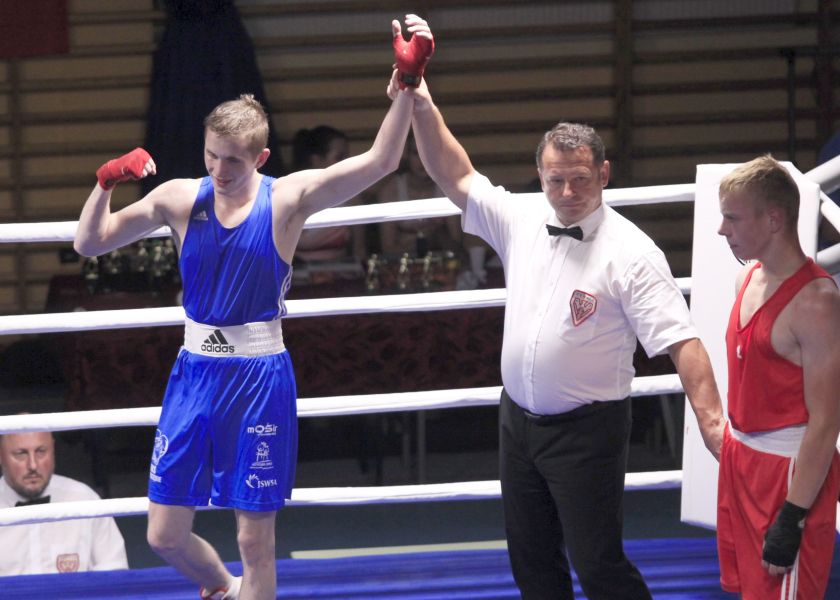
[779, 466]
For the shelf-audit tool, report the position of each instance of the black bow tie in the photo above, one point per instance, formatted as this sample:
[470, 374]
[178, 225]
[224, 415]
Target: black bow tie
[575, 232]
[43, 500]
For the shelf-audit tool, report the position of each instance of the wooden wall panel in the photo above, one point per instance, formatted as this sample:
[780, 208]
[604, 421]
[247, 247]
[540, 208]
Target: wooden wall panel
[5, 206]
[708, 83]
[56, 203]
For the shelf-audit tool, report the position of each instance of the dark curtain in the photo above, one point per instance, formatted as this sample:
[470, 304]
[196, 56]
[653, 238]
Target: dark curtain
[33, 28]
[204, 58]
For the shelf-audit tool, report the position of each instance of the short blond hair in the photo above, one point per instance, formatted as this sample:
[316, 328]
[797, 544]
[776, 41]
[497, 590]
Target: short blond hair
[771, 183]
[243, 118]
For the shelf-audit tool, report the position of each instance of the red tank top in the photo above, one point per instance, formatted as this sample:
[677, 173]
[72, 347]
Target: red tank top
[765, 389]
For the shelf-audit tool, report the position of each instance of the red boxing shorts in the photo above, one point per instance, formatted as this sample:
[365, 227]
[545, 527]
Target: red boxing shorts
[752, 486]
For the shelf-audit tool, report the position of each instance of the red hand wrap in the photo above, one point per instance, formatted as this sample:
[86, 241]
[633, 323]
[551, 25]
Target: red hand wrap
[412, 58]
[127, 166]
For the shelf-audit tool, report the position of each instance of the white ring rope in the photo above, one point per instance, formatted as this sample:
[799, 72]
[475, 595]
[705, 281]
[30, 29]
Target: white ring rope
[174, 315]
[308, 407]
[438, 492]
[65, 231]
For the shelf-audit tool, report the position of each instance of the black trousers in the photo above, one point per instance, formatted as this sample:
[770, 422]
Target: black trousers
[562, 490]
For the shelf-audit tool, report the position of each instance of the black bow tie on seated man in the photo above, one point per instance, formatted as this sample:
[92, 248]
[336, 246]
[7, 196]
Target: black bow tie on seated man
[43, 500]
[575, 232]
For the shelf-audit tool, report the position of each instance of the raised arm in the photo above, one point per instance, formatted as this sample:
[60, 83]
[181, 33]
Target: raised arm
[444, 159]
[101, 231]
[698, 380]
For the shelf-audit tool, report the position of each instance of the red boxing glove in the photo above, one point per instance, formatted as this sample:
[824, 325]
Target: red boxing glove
[412, 58]
[127, 166]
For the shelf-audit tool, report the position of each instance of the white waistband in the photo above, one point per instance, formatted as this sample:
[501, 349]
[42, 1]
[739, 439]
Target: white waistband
[782, 442]
[251, 339]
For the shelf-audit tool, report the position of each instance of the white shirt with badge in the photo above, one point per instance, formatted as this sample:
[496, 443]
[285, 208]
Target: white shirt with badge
[60, 546]
[574, 308]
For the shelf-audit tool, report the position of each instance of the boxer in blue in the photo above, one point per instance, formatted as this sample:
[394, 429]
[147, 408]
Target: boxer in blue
[228, 431]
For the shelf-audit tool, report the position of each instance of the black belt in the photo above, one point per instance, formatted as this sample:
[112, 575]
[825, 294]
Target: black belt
[572, 415]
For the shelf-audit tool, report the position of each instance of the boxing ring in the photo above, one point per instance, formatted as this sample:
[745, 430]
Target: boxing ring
[460, 574]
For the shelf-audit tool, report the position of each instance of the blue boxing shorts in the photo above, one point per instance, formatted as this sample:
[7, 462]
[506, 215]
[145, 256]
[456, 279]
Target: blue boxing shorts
[228, 428]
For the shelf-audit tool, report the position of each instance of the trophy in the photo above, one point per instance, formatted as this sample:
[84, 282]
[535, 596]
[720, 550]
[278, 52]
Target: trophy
[90, 271]
[403, 274]
[141, 260]
[110, 268]
[372, 276]
[426, 278]
[171, 257]
[176, 270]
[158, 268]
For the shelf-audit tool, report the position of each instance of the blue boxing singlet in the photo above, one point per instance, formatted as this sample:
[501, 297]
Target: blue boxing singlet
[232, 276]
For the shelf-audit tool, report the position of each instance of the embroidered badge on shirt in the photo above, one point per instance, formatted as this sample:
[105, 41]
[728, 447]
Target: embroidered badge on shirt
[67, 563]
[583, 306]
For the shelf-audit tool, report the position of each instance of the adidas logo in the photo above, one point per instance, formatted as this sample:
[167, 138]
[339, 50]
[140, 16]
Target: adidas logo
[217, 344]
[202, 216]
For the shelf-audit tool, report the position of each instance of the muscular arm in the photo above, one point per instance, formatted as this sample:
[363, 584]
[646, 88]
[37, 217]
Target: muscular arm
[444, 158]
[815, 327]
[100, 231]
[695, 371]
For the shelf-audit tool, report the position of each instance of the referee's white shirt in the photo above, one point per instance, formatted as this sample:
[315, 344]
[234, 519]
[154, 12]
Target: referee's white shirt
[575, 308]
[60, 546]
